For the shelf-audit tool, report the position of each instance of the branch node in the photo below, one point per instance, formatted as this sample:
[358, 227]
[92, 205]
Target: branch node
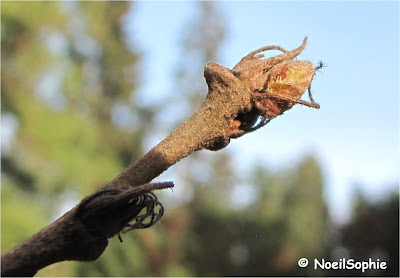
[109, 211]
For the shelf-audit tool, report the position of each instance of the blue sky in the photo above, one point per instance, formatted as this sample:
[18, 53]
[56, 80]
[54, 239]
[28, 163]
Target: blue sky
[355, 134]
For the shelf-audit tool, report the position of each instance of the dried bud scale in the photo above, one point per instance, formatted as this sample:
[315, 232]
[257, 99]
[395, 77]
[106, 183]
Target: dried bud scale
[277, 84]
[290, 78]
[286, 83]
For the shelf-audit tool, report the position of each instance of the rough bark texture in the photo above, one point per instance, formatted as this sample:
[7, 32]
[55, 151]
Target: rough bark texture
[229, 111]
[65, 239]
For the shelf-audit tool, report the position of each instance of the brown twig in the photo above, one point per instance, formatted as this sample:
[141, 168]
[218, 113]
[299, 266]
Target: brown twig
[229, 111]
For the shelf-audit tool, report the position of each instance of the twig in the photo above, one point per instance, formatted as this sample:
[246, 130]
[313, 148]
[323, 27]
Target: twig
[230, 110]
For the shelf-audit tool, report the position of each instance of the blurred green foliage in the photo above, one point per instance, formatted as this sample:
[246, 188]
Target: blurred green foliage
[68, 78]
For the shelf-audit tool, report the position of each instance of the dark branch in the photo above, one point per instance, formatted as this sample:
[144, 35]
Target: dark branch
[81, 234]
[125, 203]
